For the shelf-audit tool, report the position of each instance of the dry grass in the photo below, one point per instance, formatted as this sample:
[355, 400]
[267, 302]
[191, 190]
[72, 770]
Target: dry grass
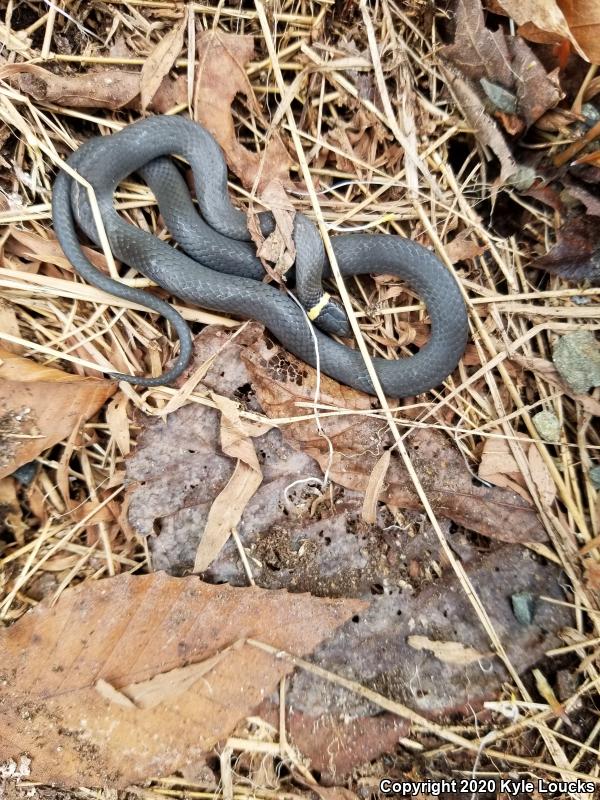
[319, 79]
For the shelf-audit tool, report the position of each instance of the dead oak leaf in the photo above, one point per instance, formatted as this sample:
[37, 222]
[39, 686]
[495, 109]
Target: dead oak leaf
[499, 466]
[549, 21]
[584, 24]
[505, 67]
[221, 76]
[536, 90]
[160, 61]
[228, 507]
[109, 88]
[463, 248]
[68, 670]
[476, 50]
[281, 381]
[40, 406]
[576, 254]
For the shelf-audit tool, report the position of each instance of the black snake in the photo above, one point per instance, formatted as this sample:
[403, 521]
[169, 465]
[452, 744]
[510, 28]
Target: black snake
[217, 268]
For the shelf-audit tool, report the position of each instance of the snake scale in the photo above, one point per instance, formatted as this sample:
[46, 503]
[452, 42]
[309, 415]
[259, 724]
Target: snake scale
[216, 266]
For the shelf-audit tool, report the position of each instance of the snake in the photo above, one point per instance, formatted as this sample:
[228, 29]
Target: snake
[214, 264]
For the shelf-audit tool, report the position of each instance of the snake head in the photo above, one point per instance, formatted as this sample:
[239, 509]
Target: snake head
[332, 319]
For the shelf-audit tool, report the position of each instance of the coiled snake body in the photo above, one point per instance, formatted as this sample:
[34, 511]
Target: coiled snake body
[216, 242]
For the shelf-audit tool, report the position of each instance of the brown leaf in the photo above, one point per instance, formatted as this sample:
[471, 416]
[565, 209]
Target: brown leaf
[498, 466]
[10, 324]
[11, 516]
[40, 406]
[554, 20]
[592, 574]
[118, 423]
[335, 745]
[537, 91]
[278, 249]
[160, 61]
[512, 76]
[463, 248]
[26, 244]
[375, 487]
[109, 88]
[541, 476]
[228, 507]
[281, 381]
[486, 129]
[476, 51]
[576, 254]
[221, 76]
[62, 661]
[584, 24]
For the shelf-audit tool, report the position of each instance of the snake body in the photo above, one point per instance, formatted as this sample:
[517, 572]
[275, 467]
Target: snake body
[219, 269]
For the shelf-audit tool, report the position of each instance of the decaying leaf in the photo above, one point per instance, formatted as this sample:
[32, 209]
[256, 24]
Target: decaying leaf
[277, 251]
[463, 248]
[160, 61]
[486, 129]
[536, 90]
[374, 487]
[334, 744]
[576, 254]
[228, 507]
[333, 552]
[499, 466]
[374, 648]
[540, 475]
[40, 406]
[476, 50]
[109, 88]
[118, 422]
[59, 663]
[221, 76]
[555, 20]
[503, 66]
[281, 381]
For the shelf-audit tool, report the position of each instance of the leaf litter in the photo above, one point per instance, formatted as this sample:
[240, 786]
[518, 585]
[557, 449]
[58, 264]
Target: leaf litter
[108, 632]
[363, 537]
[293, 540]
